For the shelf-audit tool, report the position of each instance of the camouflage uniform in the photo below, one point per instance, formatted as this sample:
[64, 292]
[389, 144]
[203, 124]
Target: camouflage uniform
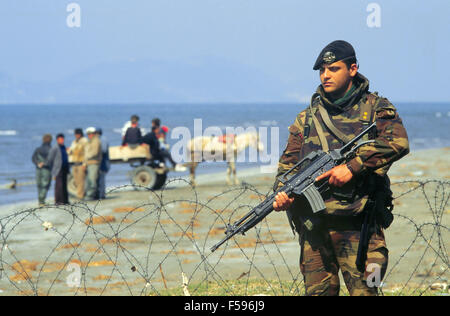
[334, 245]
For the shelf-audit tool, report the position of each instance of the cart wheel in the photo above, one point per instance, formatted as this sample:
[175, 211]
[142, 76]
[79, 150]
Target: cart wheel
[144, 176]
[71, 186]
[160, 181]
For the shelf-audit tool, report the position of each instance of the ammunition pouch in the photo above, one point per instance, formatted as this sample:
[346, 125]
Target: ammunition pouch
[385, 217]
[382, 202]
[384, 207]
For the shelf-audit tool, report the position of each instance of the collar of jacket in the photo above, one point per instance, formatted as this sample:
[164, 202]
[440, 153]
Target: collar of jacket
[362, 86]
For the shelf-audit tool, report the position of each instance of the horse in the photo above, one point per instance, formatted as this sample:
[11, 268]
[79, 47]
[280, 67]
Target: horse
[221, 148]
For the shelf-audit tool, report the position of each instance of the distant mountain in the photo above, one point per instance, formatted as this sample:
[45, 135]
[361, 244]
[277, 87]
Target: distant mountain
[199, 80]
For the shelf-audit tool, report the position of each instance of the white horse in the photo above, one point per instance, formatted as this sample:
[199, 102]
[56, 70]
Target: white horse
[221, 148]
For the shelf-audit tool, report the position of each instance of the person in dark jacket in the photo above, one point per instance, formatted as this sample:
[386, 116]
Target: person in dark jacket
[152, 141]
[161, 150]
[105, 165]
[133, 135]
[58, 163]
[43, 173]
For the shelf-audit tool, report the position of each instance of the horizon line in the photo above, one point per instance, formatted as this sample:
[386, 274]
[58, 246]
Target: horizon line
[191, 103]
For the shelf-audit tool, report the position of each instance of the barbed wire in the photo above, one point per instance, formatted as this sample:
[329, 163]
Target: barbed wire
[145, 246]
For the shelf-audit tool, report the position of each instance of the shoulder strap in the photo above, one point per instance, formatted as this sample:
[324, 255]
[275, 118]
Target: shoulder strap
[312, 119]
[327, 120]
[322, 138]
[367, 105]
[309, 116]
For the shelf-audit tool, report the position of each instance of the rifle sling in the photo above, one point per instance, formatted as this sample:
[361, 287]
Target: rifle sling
[327, 120]
[322, 138]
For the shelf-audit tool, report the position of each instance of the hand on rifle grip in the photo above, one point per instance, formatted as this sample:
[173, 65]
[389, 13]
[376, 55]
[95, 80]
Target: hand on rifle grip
[282, 202]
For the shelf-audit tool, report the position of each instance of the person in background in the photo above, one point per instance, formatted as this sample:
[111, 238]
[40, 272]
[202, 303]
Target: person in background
[43, 173]
[92, 161]
[58, 162]
[161, 134]
[76, 151]
[133, 135]
[105, 165]
[152, 141]
[128, 125]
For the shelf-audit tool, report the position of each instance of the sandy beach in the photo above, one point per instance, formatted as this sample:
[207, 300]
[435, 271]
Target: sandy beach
[140, 242]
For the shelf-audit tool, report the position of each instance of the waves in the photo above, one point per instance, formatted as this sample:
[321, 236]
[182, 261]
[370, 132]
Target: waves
[8, 133]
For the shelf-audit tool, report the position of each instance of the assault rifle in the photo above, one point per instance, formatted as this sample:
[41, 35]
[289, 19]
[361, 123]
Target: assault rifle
[301, 183]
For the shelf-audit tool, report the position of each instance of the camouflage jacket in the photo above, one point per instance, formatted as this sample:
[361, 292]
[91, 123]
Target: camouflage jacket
[391, 142]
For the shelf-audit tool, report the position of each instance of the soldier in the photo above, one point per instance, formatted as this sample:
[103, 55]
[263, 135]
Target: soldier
[340, 109]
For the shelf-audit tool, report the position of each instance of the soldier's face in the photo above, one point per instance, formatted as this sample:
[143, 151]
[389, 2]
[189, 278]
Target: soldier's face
[336, 77]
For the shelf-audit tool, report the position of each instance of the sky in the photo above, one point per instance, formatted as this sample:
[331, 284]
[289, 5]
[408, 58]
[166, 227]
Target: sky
[405, 58]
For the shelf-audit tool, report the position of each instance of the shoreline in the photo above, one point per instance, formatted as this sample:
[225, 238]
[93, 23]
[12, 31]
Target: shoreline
[400, 170]
[202, 180]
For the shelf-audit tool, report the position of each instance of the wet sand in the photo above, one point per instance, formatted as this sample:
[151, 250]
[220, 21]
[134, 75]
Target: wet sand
[139, 242]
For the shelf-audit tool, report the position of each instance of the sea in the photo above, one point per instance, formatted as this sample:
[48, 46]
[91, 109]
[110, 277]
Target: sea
[22, 128]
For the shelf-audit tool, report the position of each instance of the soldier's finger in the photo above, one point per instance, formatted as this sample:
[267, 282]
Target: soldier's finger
[282, 199]
[278, 200]
[332, 180]
[275, 206]
[340, 181]
[323, 175]
[336, 181]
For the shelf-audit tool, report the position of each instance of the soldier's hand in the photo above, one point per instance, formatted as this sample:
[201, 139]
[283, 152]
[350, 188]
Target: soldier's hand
[338, 176]
[282, 202]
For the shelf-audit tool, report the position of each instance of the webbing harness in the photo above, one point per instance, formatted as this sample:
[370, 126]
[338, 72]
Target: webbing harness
[366, 117]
